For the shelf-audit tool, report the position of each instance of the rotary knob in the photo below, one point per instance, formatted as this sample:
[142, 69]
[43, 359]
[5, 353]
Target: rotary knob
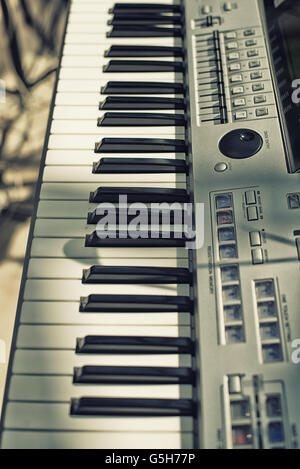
[240, 143]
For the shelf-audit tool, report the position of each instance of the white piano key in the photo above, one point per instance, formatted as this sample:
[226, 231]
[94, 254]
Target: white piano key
[96, 440]
[84, 174]
[57, 228]
[72, 269]
[72, 290]
[61, 388]
[57, 417]
[54, 312]
[92, 79]
[60, 362]
[69, 209]
[90, 99]
[75, 249]
[88, 157]
[87, 142]
[81, 191]
[64, 337]
[101, 39]
[91, 112]
[87, 127]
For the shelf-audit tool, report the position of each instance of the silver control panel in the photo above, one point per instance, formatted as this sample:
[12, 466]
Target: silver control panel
[248, 271]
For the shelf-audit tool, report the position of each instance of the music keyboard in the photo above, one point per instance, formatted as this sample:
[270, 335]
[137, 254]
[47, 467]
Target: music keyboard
[159, 300]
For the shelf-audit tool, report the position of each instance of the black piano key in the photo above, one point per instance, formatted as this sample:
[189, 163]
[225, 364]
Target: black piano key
[140, 145]
[118, 239]
[143, 31]
[144, 51]
[136, 275]
[95, 344]
[144, 19]
[139, 166]
[132, 375]
[136, 88]
[140, 119]
[161, 216]
[137, 103]
[139, 194]
[143, 7]
[142, 66]
[132, 407]
[135, 303]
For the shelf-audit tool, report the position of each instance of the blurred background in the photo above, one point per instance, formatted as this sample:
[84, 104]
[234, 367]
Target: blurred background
[31, 33]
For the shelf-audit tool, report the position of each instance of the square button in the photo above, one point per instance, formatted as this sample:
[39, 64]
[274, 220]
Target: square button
[269, 331]
[226, 234]
[250, 43]
[276, 432]
[273, 405]
[230, 35]
[231, 45]
[240, 409]
[239, 102]
[223, 201]
[229, 273]
[233, 313]
[237, 90]
[258, 87]
[294, 201]
[234, 334]
[233, 56]
[255, 238]
[272, 353]
[242, 435]
[264, 288]
[231, 293]
[266, 309]
[257, 256]
[225, 217]
[252, 53]
[264, 111]
[249, 32]
[241, 115]
[254, 63]
[260, 99]
[236, 78]
[252, 213]
[228, 251]
[256, 75]
[234, 67]
[250, 197]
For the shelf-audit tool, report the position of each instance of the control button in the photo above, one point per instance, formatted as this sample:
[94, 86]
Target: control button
[252, 53]
[240, 409]
[264, 111]
[256, 75]
[234, 67]
[266, 309]
[254, 64]
[276, 432]
[240, 143]
[206, 9]
[240, 115]
[230, 35]
[255, 238]
[231, 45]
[236, 78]
[269, 331]
[250, 197]
[239, 102]
[273, 405]
[229, 273]
[223, 201]
[298, 247]
[234, 334]
[264, 288]
[227, 6]
[257, 256]
[252, 213]
[231, 292]
[258, 87]
[272, 353]
[226, 234]
[249, 32]
[260, 99]
[235, 384]
[241, 435]
[251, 43]
[237, 90]
[225, 217]
[233, 56]
[294, 201]
[233, 313]
[221, 167]
[228, 251]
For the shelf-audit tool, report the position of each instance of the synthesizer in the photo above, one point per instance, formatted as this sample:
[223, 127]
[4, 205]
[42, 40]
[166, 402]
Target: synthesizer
[185, 334]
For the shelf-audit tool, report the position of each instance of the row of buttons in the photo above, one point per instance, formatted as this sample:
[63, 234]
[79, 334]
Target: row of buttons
[238, 78]
[226, 233]
[268, 321]
[233, 34]
[255, 236]
[259, 99]
[241, 90]
[233, 315]
[242, 434]
[207, 9]
[273, 413]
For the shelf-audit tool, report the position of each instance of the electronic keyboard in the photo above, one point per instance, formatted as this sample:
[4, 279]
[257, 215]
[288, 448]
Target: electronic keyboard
[159, 306]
